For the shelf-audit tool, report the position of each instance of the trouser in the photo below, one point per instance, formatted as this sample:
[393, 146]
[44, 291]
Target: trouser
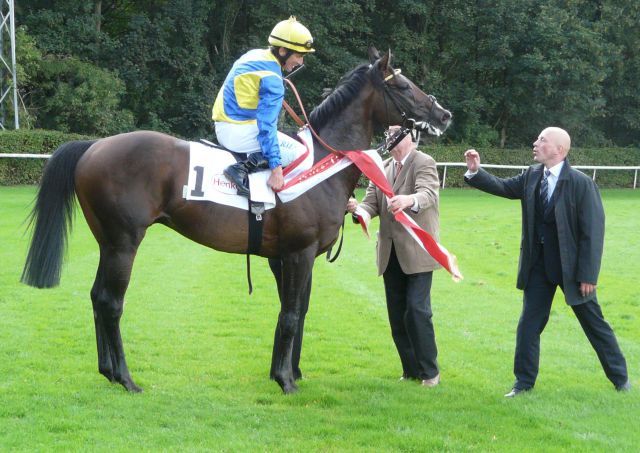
[538, 296]
[409, 307]
[243, 138]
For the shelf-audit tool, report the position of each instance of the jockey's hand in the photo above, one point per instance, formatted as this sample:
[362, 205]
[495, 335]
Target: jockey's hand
[473, 159]
[352, 204]
[400, 203]
[276, 180]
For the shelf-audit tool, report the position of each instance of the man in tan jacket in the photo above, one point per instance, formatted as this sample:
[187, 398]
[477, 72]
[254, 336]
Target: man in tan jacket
[406, 268]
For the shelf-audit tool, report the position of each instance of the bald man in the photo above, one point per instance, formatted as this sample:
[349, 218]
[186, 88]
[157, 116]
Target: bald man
[562, 241]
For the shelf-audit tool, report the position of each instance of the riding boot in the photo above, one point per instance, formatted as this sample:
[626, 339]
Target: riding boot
[257, 162]
[239, 172]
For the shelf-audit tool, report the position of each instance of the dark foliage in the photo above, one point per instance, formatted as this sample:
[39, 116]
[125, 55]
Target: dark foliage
[506, 69]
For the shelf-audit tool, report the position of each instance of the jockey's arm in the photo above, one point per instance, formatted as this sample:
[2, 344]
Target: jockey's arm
[269, 105]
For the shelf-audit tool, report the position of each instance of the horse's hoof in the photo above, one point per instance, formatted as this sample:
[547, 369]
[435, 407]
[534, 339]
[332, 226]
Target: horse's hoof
[131, 387]
[290, 388]
[287, 384]
[108, 374]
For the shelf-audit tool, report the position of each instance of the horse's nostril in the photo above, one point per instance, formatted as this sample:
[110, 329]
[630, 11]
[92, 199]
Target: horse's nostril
[446, 116]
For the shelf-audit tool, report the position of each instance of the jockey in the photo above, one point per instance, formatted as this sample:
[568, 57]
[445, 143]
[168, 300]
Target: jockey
[247, 107]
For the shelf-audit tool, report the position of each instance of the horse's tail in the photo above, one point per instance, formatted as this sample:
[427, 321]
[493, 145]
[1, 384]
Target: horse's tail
[52, 216]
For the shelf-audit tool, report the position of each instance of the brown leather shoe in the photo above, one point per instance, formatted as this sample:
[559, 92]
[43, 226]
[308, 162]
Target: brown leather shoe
[431, 382]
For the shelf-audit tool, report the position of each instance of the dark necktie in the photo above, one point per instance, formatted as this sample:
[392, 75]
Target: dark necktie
[544, 190]
[398, 168]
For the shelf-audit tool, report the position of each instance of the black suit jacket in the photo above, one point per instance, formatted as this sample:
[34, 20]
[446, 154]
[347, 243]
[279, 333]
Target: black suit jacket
[579, 216]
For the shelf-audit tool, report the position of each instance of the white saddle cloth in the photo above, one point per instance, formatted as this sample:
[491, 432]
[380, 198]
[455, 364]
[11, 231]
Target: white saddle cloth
[208, 183]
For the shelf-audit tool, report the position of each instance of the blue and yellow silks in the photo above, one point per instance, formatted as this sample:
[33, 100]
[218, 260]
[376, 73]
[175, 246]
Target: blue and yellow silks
[253, 93]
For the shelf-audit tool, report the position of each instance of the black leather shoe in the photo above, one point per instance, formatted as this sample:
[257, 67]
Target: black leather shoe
[256, 162]
[624, 387]
[515, 392]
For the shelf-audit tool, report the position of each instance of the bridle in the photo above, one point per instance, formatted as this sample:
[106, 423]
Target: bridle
[408, 123]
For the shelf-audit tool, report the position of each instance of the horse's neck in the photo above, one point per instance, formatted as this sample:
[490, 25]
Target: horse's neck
[350, 130]
[343, 138]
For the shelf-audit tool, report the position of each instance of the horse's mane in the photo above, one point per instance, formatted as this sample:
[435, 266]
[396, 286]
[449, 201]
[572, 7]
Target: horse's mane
[346, 91]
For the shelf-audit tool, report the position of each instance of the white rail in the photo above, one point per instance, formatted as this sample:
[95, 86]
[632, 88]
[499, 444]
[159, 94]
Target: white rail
[32, 156]
[439, 164]
[524, 167]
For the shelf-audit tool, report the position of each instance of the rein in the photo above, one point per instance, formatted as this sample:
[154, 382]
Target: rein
[301, 123]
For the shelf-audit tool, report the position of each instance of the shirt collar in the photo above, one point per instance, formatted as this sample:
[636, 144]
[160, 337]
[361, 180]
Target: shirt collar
[404, 159]
[556, 169]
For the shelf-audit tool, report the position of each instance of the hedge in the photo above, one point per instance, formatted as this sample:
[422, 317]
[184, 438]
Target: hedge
[28, 141]
[28, 171]
[577, 156]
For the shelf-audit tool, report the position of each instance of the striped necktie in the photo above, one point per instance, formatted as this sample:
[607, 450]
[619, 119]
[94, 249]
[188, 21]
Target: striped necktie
[398, 168]
[544, 190]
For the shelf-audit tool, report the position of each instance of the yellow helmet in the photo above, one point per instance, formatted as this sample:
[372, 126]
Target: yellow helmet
[293, 35]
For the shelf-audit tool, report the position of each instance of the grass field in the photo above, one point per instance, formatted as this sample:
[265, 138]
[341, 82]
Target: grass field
[201, 348]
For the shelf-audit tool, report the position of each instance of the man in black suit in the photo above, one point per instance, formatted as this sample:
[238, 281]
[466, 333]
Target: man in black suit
[562, 242]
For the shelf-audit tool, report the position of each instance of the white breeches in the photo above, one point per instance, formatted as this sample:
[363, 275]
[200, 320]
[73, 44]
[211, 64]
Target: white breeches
[243, 138]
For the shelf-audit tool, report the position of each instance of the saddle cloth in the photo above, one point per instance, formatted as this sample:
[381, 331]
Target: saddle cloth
[207, 181]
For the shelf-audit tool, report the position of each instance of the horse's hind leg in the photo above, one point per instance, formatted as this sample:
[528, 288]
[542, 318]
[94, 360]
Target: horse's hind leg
[105, 364]
[107, 296]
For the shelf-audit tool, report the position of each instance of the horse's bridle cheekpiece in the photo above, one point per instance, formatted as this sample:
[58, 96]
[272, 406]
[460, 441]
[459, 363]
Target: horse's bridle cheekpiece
[412, 123]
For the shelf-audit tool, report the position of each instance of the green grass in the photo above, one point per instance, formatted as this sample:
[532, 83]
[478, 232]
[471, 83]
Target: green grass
[201, 349]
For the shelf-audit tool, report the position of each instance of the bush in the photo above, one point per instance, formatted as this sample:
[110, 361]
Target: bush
[28, 171]
[623, 157]
[577, 156]
[76, 96]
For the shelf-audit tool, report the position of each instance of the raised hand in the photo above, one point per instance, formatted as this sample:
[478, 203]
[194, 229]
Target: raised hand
[473, 159]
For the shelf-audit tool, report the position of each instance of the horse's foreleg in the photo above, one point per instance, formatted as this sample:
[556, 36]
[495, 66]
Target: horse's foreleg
[107, 296]
[276, 268]
[295, 284]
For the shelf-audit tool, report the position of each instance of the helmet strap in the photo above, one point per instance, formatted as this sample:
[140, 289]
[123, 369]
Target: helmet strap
[281, 59]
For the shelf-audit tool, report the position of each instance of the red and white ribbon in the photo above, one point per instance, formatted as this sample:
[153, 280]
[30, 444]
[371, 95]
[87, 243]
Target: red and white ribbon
[372, 168]
[370, 164]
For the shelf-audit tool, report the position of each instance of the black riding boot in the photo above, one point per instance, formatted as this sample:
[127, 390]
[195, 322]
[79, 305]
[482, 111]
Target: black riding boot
[239, 172]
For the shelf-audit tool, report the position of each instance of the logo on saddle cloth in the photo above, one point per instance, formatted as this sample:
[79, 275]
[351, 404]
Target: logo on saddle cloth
[222, 184]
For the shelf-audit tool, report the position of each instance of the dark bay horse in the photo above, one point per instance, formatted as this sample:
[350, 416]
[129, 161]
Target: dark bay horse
[128, 182]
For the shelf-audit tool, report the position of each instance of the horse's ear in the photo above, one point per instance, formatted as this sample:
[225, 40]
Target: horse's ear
[374, 55]
[385, 62]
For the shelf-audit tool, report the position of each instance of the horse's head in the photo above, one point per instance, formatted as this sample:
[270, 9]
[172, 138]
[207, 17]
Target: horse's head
[401, 101]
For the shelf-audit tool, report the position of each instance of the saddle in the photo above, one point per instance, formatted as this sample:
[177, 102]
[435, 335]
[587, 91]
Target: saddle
[242, 156]
[239, 157]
